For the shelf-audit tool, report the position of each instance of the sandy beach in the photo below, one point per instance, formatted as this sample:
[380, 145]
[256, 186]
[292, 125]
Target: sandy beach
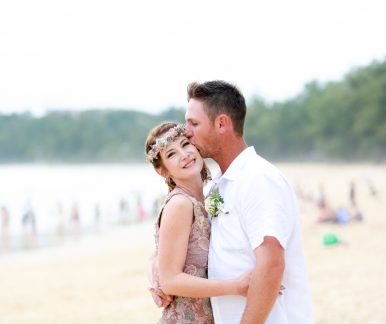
[102, 278]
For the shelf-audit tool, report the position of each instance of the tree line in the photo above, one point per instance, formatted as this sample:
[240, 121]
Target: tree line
[335, 121]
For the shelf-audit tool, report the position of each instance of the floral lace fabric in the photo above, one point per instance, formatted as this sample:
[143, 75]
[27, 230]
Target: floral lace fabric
[187, 310]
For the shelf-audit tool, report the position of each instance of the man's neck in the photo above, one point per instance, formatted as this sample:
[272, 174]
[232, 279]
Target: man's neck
[229, 152]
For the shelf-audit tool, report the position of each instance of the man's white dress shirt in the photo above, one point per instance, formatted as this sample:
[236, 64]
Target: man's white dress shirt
[258, 202]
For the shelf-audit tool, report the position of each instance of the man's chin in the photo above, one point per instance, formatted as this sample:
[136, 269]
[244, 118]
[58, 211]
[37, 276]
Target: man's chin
[203, 154]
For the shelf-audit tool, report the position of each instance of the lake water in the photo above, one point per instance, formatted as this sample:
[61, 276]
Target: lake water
[102, 195]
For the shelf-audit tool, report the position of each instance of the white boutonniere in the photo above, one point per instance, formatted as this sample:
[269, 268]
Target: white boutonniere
[214, 203]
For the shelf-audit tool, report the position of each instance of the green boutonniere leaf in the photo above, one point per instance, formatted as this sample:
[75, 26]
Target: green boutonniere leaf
[214, 203]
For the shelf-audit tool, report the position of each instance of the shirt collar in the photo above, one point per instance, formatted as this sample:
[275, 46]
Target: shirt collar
[237, 164]
[233, 170]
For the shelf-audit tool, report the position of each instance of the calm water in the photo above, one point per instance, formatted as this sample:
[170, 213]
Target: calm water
[107, 196]
[75, 198]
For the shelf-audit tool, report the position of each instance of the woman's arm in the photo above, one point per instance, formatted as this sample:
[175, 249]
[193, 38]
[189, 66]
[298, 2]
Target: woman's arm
[176, 224]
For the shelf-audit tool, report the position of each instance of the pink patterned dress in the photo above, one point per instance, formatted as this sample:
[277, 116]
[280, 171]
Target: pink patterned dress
[187, 310]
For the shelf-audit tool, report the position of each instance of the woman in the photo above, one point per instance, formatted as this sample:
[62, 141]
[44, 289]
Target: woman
[183, 230]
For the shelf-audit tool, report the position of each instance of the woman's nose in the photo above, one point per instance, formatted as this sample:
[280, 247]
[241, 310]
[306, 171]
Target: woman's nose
[184, 154]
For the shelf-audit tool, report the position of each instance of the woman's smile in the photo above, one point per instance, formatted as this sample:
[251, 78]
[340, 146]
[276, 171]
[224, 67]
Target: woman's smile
[190, 163]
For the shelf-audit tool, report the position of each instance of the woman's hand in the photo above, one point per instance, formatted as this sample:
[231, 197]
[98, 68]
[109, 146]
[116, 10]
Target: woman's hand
[242, 283]
[160, 299]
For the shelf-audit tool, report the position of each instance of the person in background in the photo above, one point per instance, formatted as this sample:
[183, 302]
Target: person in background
[5, 220]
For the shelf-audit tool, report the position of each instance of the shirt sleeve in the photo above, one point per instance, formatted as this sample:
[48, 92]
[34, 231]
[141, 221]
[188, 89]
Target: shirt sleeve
[267, 208]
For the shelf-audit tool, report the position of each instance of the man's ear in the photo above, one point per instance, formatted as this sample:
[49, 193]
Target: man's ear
[223, 123]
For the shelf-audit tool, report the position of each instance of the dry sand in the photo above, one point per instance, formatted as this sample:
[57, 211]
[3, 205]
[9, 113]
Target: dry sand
[102, 279]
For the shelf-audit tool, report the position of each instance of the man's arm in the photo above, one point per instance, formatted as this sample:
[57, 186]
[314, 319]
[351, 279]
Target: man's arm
[265, 281]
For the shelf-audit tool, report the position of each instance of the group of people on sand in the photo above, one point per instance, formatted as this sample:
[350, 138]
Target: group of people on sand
[232, 254]
[341, 213]
[338, 211]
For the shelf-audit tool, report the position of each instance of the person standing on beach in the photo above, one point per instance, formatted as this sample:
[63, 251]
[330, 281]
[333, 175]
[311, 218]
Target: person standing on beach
[257, 226]
[5, 220]
[180, 263]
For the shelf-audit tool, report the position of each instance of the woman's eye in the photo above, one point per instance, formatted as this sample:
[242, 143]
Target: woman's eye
[185, 144]
[169, 155]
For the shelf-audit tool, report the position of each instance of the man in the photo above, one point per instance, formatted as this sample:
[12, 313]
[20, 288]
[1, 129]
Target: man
[257, 227]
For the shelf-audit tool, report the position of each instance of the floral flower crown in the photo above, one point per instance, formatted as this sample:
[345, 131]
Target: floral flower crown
[163, 142]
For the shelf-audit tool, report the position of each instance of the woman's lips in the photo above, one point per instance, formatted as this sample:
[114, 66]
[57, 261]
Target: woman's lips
[190, 163]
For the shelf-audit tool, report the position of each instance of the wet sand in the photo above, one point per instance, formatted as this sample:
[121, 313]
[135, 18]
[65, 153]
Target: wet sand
[103, 278]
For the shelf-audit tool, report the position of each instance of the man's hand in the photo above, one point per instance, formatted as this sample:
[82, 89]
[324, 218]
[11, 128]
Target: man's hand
[160, 299]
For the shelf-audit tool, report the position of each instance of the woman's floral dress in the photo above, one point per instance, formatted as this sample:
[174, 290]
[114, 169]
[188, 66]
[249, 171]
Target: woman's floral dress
[187, 310]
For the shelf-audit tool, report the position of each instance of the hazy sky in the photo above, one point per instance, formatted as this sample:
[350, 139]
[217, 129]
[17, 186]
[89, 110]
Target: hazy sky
[79, 54]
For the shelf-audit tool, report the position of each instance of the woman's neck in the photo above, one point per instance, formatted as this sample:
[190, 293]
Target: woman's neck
[193, 188]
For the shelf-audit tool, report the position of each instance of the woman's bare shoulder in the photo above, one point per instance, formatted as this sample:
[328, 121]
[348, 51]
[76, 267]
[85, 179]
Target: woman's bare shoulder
[178, 207]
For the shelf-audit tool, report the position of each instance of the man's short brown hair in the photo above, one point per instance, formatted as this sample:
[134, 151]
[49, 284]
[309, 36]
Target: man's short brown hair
[220, 97]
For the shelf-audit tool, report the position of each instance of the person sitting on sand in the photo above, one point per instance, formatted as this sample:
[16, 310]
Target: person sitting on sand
[339, 215]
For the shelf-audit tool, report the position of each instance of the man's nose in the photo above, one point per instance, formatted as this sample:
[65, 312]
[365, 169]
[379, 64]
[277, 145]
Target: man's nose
[188, 131]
